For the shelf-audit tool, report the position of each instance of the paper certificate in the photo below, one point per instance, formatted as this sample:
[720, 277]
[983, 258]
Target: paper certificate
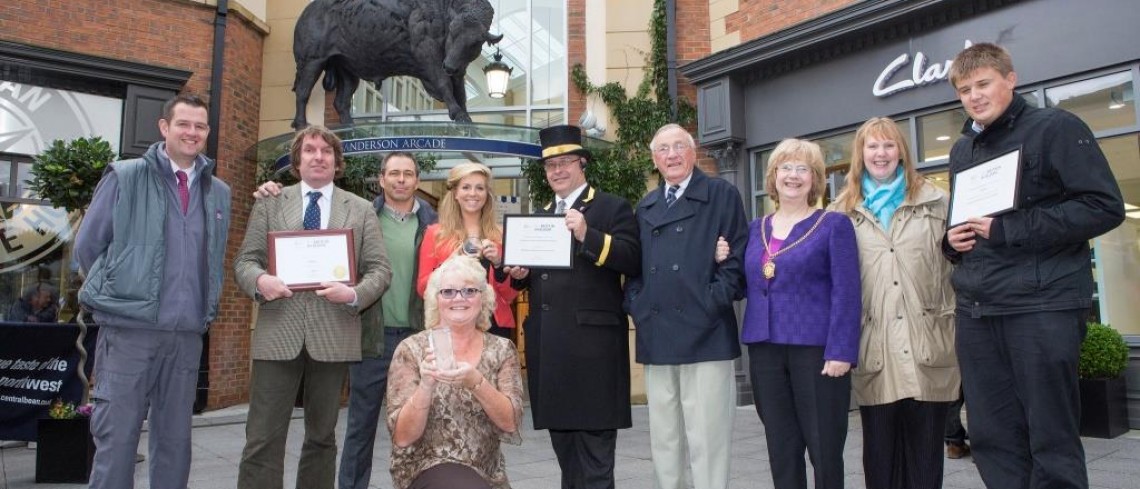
[987, 189]
[536, 241]
[304, 259]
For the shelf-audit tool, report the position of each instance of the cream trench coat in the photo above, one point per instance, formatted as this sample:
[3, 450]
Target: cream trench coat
[906, 348]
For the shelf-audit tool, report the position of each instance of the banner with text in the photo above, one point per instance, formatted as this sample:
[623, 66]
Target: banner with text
[37, 366]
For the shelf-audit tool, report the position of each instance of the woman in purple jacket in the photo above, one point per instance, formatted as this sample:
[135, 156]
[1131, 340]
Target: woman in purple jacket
[801, 324]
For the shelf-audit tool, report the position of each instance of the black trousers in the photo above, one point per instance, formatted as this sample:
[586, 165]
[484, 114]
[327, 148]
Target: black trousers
[585, 457]
[955, 432]
[902, 444]
[800, 408]
[1020, 374]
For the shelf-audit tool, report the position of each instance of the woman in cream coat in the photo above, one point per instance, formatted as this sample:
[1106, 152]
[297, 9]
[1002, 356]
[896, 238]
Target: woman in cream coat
[907, 372]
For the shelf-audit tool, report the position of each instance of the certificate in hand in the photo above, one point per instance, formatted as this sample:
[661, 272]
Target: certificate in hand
[536, 241]
[987, 189]
[304, 259]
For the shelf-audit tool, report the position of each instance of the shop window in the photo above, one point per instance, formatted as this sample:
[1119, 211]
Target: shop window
[1118, 251]
[1033, 98]
[937, 133]
[15, 171]
[1104, 103]
[36, 281]
[761, 204]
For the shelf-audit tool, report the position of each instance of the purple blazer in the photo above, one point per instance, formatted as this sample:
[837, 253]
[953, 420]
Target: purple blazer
[814, 299]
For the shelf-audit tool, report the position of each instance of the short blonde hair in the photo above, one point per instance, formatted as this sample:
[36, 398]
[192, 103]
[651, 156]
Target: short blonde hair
[980, 56]
[469, 270]
[796, 150]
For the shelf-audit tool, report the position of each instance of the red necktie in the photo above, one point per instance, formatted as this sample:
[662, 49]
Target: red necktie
[183, 190]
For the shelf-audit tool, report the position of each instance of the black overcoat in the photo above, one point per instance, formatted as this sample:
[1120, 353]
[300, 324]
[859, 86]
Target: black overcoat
[577, 336]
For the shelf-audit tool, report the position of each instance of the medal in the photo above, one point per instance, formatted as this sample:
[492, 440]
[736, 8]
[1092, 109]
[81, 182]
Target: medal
[769, 269]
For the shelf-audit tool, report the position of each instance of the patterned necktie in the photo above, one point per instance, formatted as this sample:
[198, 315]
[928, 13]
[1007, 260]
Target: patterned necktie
[561, 207]
[671, 196]
[312, 212]
[183, 190]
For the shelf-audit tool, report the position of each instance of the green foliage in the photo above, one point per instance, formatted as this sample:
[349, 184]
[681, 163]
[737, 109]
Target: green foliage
[67, 172]
[607, 170]
[1104, 354]
[359, 172]
[621, 169]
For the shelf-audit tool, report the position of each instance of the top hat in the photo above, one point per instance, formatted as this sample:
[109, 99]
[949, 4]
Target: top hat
[561, 140]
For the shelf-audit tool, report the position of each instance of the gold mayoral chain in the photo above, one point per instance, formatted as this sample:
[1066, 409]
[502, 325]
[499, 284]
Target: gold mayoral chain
[769, 268]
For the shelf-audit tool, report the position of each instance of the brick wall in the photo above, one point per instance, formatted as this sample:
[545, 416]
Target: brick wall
[176, 34]
[693, 43]
[758, 18]
[575, 54]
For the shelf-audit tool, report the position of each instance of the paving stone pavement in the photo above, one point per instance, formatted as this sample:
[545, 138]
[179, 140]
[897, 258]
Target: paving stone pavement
[220, 435]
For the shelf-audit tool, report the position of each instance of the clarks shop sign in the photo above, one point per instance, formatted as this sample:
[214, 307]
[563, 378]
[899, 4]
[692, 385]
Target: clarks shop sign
[921, 74]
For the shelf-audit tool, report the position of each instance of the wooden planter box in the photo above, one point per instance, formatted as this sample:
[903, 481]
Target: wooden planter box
[1104, 408]
[64, 450]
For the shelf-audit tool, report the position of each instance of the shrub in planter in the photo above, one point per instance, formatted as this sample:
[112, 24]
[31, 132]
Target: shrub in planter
[1104, 356]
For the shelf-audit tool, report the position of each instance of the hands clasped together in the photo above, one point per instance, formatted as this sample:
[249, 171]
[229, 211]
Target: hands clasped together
[464, 375]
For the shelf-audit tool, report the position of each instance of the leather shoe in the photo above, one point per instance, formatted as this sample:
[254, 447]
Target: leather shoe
[957, 451]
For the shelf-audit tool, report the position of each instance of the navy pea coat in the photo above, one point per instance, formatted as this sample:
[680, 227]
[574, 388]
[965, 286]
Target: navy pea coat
[682, 302]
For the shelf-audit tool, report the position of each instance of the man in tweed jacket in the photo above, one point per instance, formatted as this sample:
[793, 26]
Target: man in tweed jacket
[314, 333]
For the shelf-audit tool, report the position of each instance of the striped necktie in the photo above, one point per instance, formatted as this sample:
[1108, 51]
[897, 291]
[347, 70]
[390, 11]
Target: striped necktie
[671, 195]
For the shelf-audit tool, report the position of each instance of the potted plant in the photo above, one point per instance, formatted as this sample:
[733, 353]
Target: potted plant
[1104, 408]
[64, 448]
[66, 174]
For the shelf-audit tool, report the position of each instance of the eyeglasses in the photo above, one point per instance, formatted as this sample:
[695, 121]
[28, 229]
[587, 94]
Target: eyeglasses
[555, 165]
[797, 169]
[663, 149]
[466, 292]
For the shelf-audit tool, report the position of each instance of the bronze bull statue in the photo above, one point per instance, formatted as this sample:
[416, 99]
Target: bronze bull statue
[353, 40]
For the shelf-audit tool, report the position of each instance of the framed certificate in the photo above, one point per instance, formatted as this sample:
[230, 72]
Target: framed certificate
[987, 189]
[304, 259]
[536, 241]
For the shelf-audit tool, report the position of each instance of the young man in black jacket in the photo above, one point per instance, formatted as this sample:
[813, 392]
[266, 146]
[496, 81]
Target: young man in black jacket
[1024, 280]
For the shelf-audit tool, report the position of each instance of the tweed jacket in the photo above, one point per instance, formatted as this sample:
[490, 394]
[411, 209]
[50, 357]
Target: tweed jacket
[906, 348]
[329, 332]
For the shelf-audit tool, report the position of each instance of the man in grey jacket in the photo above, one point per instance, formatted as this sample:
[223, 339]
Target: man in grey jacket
[152, 248]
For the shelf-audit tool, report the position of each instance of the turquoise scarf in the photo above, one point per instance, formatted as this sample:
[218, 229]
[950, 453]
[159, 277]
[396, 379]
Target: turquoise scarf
[884, 199]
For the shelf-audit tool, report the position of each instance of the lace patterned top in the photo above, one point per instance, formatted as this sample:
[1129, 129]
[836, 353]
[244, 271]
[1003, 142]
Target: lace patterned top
[458, 430]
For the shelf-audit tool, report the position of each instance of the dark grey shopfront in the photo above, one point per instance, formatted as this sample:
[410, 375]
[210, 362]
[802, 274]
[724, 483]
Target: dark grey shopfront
[821, 79]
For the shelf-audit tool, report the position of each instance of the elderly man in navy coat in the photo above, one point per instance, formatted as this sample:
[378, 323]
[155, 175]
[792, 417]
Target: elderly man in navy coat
[577, 335]
[682, 307]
